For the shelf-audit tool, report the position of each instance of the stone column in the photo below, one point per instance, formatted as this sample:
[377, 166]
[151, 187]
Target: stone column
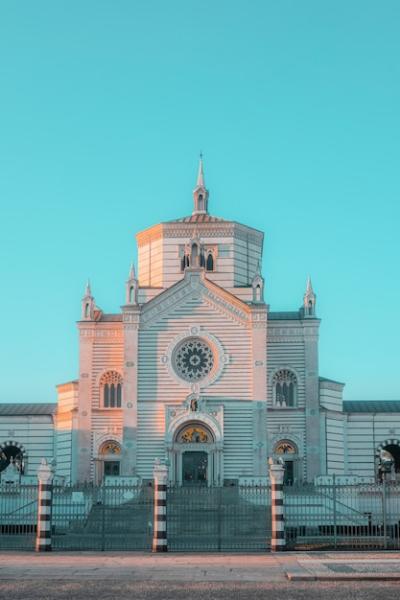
[160, 474]
[276, 473]
[45, 498]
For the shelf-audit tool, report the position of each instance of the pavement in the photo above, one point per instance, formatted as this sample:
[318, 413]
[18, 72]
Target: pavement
[181, 568]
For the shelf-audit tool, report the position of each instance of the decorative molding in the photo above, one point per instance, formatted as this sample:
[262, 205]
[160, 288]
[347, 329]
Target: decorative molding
[92, 333]
[177, 417]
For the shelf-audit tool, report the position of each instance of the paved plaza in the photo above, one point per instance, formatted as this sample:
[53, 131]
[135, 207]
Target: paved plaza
[137, 566]
[299, 576]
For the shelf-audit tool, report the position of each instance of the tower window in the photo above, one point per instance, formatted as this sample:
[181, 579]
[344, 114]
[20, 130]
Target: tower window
[111, 389]
[284, 389]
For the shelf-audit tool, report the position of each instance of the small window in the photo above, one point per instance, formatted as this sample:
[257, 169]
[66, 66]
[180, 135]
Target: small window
[210, 262]
[111, 389]
[284, 389]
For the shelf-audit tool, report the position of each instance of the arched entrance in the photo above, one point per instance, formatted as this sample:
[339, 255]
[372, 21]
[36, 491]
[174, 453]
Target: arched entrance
[195, 456]
[12, 453]
[388, 455]
[288, 452]
[110, 457]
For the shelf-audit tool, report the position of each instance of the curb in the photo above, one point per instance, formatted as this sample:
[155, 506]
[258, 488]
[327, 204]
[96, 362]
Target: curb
[339, 577]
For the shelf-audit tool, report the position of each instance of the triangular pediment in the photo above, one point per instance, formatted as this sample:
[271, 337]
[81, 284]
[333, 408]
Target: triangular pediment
[195, 284]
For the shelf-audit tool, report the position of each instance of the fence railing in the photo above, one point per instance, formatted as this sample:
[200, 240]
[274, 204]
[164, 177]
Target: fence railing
[363, 516]
[232, 518]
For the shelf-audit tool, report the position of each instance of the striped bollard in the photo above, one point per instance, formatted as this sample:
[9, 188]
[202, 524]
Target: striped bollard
[43, 530]
[160, 474]
[276, 472]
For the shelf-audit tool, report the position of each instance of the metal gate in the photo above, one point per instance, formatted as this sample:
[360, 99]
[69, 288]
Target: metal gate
[109, 517]
[232, 518]
[18, 516]
[337, 516]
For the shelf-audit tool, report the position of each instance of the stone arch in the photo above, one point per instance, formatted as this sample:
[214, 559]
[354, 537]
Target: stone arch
[388, 442]
[391, 445]
[6, 453]
[196, 432]
[202, 419]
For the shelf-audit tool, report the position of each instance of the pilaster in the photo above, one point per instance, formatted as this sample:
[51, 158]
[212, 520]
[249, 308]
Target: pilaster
[131, 316]
[83, 434]
[259, 372]
[314, 456]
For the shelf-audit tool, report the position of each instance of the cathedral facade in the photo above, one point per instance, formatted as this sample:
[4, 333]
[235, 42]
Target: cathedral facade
[197, 370]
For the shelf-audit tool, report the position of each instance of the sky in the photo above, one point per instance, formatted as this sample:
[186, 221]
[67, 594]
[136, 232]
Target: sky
[104, 108]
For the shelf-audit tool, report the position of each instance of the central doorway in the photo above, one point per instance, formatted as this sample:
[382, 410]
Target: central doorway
[194, 468]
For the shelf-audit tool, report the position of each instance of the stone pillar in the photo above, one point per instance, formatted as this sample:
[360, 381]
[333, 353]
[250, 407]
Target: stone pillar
[45, 498]
[160, 474]
[129, 400]
[276, 473]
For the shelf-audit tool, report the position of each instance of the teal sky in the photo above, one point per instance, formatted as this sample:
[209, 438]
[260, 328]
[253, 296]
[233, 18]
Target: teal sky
[104, 107]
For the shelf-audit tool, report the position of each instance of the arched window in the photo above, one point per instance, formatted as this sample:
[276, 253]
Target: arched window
[202, 260]
[111, 389]
[284, 389]
[200, 203]
[131, 294]
[87, 310]
[185, 261]
[210, 262]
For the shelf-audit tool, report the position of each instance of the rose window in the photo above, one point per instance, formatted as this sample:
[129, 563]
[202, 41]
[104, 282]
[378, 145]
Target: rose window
[193, 360]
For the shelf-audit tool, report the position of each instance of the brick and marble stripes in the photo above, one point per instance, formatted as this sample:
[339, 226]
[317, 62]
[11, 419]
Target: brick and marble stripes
[278, 541]
[45, 497]
[160, 542]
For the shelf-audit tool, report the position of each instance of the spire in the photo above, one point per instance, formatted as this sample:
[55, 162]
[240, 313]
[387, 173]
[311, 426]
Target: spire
[88, 291]
[200, 174]
[132, 274]
[309, 300]
[200, 192]
[258, 285]
[88, 304]
[131, 288]
[309, 289]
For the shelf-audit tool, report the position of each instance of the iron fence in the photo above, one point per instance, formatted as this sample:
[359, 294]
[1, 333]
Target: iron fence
[337, 516]
[201, 518]
[232, 518]
[18, 516]
[106, 517]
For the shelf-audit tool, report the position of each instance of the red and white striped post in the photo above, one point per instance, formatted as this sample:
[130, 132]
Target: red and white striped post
[276, 473]
[160, 474]
[45, 498]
